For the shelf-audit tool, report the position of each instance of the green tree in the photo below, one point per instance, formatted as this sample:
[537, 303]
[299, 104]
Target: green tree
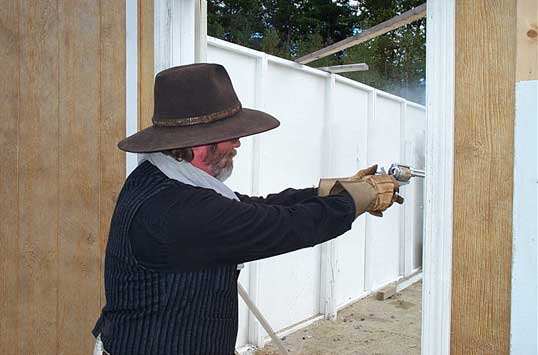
[293, 28]
[396, 60]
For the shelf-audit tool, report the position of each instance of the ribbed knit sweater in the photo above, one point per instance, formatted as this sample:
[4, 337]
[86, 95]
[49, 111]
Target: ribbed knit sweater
[172, 252]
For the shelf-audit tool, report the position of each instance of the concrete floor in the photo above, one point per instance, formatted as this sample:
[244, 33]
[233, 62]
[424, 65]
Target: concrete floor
[367, 327]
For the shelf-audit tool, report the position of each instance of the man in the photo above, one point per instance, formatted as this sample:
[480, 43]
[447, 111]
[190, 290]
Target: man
[178, 233]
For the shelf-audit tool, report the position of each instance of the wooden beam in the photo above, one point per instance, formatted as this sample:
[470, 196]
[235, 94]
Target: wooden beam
[146, 70]
[527, 40]
[345, 68]
[10, 41]
[398, 21]
[483, 176]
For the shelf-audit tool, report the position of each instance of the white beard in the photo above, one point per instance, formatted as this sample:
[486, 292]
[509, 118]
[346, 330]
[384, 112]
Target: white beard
[224, 173]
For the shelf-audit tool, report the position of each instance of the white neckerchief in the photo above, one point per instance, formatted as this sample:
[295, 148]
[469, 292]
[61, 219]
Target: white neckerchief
[186, 173]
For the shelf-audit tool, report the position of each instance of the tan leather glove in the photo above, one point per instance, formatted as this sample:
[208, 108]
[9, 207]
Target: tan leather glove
[372, 193]
[387, 188]
[325, 185]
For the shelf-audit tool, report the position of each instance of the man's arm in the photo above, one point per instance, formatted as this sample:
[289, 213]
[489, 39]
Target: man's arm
[193, 228]
[287, 197]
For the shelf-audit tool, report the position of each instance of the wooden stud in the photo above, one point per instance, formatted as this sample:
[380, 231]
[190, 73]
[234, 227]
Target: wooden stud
[9, 182]
[396, 22]
[146, 70]
[112, 118]
[483, 175]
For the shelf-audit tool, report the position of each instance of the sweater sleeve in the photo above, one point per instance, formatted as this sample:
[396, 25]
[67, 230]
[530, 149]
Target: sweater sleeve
[287, 197]
[194, 228]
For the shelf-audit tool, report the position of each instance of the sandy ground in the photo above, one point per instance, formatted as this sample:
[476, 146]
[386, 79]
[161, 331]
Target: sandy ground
[367, 327]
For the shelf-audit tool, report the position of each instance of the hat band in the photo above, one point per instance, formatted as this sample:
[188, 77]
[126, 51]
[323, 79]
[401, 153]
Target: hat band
[175, 122]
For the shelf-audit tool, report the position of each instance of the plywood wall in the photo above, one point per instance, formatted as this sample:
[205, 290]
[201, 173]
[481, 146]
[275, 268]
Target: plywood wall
[62, 113]
[146, 70]
[483, 178]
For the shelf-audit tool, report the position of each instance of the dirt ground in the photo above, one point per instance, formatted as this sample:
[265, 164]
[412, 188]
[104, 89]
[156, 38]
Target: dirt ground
[367, 327]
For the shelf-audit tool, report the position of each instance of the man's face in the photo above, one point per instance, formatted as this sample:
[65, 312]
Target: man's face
[216, 159]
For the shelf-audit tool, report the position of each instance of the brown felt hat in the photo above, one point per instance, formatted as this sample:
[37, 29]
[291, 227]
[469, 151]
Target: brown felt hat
[196, 105]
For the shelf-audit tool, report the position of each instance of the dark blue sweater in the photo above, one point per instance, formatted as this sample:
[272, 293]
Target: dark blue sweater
[170, 263]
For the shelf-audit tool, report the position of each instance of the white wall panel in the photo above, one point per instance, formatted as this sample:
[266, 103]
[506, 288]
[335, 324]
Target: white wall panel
[364, 127]
[348, 154]
[414, 155]
[383, 234]
[291, 157]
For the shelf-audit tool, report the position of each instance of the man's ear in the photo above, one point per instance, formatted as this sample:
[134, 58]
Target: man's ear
[199, 155]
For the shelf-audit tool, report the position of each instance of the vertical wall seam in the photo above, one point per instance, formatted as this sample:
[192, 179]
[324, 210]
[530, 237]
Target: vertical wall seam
[254, 330]
[139, 30]
[327, 287]
[371, 112]
[58, 182]
[18, 236]
[99, 149]
[402, 215]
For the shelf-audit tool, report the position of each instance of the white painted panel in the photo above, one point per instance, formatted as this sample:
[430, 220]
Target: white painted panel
[291, 154]
[524, 315]
[291, 157]
[348, 154]
[384, 233]
[415, 136]
[436, 290]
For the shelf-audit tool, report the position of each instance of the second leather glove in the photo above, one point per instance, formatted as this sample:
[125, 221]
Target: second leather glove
[325, 185]
[373, 193]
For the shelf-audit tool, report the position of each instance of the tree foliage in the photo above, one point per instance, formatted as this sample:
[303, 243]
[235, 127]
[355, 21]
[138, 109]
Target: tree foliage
[293, 28]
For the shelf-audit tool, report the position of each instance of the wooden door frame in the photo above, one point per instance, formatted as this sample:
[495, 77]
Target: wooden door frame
[437, 247]
[441, 162]
[439, 186]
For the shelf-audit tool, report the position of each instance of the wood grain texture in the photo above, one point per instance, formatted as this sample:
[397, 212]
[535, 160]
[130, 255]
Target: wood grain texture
[146, 70]
[78, 248]
[483, 163]
[9, 116]
[527, 40]
[112, 113]
[38, 178]
[63, 112]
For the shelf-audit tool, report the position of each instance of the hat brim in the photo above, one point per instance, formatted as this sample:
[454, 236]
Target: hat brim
[157, 138]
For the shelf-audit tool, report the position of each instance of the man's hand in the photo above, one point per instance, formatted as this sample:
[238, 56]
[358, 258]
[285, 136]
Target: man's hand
[364, 172]
[372, 193]
[387, 188]
[325, 185]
